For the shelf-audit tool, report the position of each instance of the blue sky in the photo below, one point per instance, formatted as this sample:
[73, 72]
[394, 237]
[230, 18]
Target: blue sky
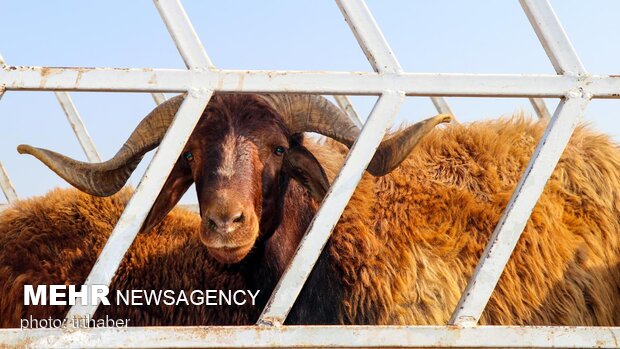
[472, 36]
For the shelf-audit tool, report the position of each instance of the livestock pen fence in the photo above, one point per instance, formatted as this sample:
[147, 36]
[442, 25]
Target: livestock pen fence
[201, 79]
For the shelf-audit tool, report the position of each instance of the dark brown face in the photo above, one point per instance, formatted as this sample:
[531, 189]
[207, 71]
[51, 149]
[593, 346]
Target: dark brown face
[241, 157]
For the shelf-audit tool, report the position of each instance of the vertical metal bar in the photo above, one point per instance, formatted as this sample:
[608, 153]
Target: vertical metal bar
[138, 207]
[518, 210]
[78, 126]
[540, 108]
[553, 37]
[159, 98]
[7, 187]
[337, 197]
[374, 45]
[345, 104]
[183, 34]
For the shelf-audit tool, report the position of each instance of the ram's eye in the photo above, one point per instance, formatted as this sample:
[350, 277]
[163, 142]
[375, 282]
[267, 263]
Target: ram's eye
[279, 150]
[188, 156]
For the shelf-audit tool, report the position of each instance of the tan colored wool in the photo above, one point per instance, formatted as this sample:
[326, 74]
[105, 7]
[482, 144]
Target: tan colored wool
[404, 248]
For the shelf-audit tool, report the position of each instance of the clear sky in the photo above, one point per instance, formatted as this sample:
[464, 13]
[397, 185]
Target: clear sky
[471, 36]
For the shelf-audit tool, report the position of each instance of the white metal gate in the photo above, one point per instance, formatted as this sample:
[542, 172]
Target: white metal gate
[572, 84]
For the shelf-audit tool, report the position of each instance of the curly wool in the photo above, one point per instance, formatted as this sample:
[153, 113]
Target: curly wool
[56, 239]
[404, 248]
[434, 215]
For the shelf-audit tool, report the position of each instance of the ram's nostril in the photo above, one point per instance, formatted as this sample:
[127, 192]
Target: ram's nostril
[239, 219]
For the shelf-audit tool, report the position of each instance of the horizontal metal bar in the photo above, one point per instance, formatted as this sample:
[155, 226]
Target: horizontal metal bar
[350, 83]
[337, 197]
[7, 187]
[142, 200]
[183, 34]
[78, 127]
[553, 37]
[315, 336]
[517, 212]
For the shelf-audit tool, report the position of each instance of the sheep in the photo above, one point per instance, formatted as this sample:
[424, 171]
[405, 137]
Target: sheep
[55, 239]
[413, 231]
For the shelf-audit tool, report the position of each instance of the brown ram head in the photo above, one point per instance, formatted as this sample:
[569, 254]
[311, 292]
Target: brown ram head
[241, 155]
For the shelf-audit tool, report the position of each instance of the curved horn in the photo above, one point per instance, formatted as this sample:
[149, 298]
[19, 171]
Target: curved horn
[106, 178]
[313, 113]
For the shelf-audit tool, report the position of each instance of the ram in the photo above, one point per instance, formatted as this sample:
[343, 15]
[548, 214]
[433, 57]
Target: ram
[414, 229]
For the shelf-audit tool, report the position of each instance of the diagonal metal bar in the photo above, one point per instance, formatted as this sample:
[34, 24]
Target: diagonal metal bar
[7, 187]
[76, 123]
[373, 43]
[159, 98]
[78, 127]
[337, 197]
[345, 104]
[138, 207]
[517, 212]
[553, 37]
[183, 34]
[540, 108]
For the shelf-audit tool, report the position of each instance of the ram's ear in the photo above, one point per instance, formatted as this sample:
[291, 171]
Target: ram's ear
[176, 185]
[301, 165]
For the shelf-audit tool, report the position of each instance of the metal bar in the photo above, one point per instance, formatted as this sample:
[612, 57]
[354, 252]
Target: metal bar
[138, 207]
[553, 37]
[183, 34]
[369, 36]
[159, 98]
[441, 105]
[540, 108]
[3, 207]
[518, 210]
[315, 337]
[333, 83]
[338, 195]
[373, 43]
[78, 126]
[2, 89]
[345, 104]
[7, 187]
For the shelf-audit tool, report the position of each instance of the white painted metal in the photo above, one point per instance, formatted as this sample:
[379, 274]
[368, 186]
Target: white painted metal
[78, 126]
[369, 36]
[138, 207]
[345, 104]
[442, 106]
[518, 210]
[2, 89]
[541, 165]
[317, 337]
[337, 197]
[183, 34]
[553, 37]
[540, 108]
[7, 187]
[374, 45]
[2, 208]
[159, 98]
[332, 83]
[573, 83]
